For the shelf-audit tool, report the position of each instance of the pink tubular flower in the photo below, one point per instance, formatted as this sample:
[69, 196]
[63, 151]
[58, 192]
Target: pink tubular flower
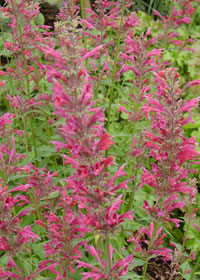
[161, 211]
[12, 236]
[9, 159]
[6, 128]
[104, 142]
[175, 19]
[181, 13]
[93, 52]
[189, 105]
[117, 270]
[108, 221]
[147, 248]
[25, 106]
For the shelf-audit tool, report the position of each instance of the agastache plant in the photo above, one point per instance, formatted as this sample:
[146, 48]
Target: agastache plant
[25, 71]
[85, 142]
[9, 157]
[172, 152]
[64, 233]
[13, 237]
[116, 270]
[139, 62]
[180, 13]
[65, 217]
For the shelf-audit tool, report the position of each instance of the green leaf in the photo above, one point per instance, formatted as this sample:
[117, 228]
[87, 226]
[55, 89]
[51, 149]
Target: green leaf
[138, 262]
[38, 249]
[124, 116]
[52, 195]
[4, 260]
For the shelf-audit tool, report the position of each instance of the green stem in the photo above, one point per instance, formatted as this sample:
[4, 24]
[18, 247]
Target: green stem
[27, 85]
[132, 191]
[156, 225]
[25, 135]
[31, 115]
[84, 36]
[191, 23]
[47, 125]
[195, 268]
[33, 200]
[22, 265]
[130, 172]
[82, 11]
[107, 249]
[185, 235]
[145, 269]
[96, 90]
[166, 38]
[167, 29]
[150, 7]
[111, 88]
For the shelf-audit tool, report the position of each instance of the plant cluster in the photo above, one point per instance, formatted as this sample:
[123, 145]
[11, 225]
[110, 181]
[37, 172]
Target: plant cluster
[98, 179]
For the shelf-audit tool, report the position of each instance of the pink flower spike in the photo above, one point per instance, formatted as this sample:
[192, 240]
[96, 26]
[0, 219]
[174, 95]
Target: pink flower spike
[53, 53]
[188, 271]
[122, 109]
[173, 245]
[23, 213]
[157, 234]
[108, 161]
[13, 264]
[175, 221]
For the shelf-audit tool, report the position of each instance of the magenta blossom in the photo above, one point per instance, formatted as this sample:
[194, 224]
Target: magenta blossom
[161, 210]
[117, 270]
[12, 236]
[147, 248]
[108, 221]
